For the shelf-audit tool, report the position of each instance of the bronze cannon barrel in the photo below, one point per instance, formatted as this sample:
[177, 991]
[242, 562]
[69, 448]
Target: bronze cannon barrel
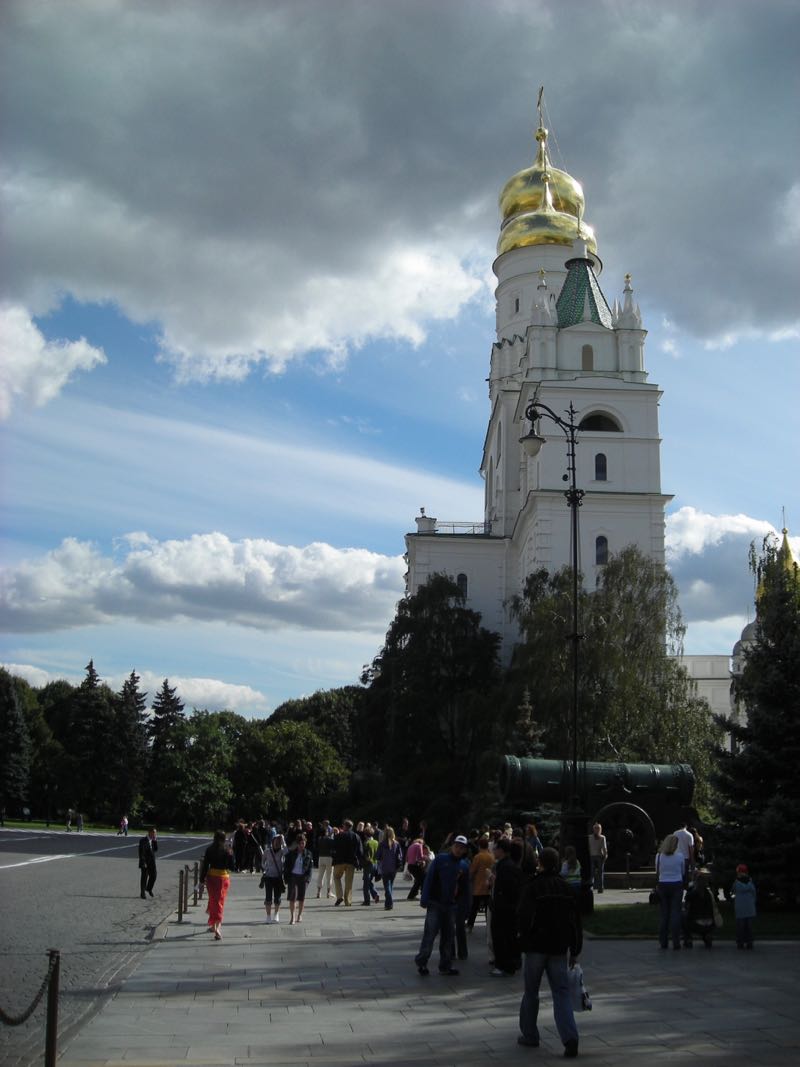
[524, 779]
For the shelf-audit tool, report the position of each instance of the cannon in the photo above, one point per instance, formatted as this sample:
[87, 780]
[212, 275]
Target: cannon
[636, 803]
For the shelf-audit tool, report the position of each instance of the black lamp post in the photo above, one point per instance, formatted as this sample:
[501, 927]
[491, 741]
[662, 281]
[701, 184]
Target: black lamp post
[573, 821]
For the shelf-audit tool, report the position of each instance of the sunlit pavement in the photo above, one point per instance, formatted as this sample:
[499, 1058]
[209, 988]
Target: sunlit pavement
[341, 989]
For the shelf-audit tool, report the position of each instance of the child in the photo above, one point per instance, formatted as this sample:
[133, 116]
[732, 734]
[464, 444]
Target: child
[571, 869]
[744, 893]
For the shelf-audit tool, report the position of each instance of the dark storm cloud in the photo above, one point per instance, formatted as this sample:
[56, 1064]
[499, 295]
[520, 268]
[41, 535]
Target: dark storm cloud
[242, 173]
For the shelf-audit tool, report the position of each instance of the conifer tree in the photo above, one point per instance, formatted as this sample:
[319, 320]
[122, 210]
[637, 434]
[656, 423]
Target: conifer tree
[15, 747]
[91, 738]
[758, 781]
[129, 755]
[168, 764]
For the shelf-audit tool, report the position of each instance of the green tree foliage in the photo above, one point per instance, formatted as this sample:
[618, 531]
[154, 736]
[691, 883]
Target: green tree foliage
[300, 768]
[168, 742]
[128, 757]
[15, 747]
[758, 781]
[428, 712]
[90, 739]
[202, 763]
[334, 714]
[636, 702]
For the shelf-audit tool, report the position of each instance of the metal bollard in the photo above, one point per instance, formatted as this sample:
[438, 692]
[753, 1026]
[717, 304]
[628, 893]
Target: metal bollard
[185, 888]
[196, 880]
[51, 1038]
[180, 896]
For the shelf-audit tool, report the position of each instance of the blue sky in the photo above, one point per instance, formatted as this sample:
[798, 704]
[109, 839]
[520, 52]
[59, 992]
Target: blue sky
[247, 307]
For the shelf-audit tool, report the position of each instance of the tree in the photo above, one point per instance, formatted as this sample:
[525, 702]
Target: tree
[636, 702]
[90, 739]
[169, 740]
[333, 713]
[129, 754]
[758, 781]
[301, 771]
[167, 718]
[15, 746]
[428, 710]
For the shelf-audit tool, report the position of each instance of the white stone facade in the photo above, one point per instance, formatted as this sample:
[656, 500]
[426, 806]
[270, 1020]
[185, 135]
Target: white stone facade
[594, 360]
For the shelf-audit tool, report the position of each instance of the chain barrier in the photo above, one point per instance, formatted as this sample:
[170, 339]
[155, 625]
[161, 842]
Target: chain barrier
[18, 1020]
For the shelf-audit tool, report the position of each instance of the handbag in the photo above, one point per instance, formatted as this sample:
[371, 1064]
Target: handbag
[654, 898]
[717, 916]
[578, 993]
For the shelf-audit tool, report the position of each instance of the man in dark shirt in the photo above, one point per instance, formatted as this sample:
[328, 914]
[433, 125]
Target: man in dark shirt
[508, 878]
[549, 925]
[347, 853]
[148, 846]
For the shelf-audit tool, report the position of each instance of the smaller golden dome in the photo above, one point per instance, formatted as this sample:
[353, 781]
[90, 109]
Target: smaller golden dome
[542, 205]
[523, 192]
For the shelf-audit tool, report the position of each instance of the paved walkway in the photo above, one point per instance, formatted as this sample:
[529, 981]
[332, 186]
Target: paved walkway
[341, 989]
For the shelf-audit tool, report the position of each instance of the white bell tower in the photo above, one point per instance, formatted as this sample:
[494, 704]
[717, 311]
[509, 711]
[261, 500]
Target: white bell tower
[560, 342]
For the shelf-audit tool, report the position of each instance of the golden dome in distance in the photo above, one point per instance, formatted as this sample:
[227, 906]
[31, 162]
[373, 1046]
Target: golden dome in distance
[542, 204]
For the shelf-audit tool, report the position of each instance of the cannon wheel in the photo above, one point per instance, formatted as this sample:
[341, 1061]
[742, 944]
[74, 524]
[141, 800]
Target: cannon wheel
[618, 817]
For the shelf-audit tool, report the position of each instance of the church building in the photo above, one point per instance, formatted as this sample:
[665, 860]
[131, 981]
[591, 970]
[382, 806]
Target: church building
[561, 343]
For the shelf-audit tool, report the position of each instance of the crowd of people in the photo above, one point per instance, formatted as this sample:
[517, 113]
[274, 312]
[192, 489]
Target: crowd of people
[685, 896]
[529, 894]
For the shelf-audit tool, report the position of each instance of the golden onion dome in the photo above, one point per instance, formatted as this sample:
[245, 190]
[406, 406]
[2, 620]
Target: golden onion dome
[542, 205]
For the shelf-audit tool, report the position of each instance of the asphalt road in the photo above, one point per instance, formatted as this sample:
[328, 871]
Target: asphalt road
[78, 893]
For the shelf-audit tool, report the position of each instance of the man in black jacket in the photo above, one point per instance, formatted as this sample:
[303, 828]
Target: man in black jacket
[508, 879]
[549, 927]
[148, 846]
[347, 856]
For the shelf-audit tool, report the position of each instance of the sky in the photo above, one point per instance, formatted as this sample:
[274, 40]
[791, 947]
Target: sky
[246, 306]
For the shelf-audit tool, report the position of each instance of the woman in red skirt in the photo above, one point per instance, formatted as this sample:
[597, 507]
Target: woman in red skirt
[214, 875]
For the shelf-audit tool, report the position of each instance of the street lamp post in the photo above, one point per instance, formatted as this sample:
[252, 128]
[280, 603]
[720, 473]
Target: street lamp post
[573, 819]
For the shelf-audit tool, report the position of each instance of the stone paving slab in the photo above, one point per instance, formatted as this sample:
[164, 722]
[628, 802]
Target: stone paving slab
[341, 989]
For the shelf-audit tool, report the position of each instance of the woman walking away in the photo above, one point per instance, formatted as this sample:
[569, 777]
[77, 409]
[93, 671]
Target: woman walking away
[272, 880]
[297, 866]
[390, 860]
[214, 875]
[670, 873]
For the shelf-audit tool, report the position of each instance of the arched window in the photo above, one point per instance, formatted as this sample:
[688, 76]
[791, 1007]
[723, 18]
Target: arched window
[598, 420]
[463, 585]
[600, 467]
[587, 358]
[601, 551]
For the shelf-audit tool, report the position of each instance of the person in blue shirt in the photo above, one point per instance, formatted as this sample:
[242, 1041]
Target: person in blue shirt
[446, 882]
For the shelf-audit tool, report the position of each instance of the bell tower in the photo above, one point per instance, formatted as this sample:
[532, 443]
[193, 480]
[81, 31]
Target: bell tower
[559, 340]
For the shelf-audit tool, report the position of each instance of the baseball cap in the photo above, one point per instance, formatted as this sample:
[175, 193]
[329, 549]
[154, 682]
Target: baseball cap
[460, 840]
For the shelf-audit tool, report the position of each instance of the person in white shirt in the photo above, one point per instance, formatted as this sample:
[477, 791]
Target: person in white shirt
[686, 847]
[598, 853]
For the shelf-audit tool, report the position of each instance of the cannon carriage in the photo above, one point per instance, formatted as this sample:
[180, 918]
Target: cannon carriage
[636, 803]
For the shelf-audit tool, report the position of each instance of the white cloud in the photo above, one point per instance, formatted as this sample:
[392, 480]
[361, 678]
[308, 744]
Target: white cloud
[208, 694]
[693, 531]
[708, 556]
[207, 577]
[262, 186]
[33, 370]
[34, 676]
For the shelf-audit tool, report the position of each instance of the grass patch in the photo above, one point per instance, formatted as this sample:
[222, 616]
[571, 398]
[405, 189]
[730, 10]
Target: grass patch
[641, 920]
